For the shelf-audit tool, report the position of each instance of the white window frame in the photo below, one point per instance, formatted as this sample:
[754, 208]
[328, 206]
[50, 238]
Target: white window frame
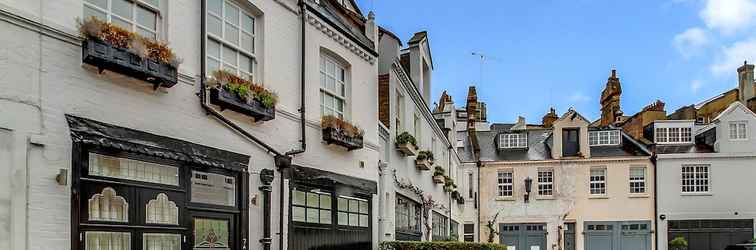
[325, 92]
[673, 135]
[738, 130]
[545, 182]
[224, 44]
[399, 113]
[598, 191]
[513, 140]
[696, 175]
[504, 189]
[604, 137]
[637, 184]
[133, 21]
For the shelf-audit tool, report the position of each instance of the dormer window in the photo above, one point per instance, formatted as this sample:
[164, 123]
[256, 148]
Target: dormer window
[671, 135]
[518, 140]
[604, 138]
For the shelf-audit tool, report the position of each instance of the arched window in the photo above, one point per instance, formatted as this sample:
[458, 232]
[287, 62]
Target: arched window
[108, 206]
[162, 211]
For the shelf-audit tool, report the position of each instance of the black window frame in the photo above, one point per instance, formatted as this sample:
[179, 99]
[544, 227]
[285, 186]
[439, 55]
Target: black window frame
[418, 216]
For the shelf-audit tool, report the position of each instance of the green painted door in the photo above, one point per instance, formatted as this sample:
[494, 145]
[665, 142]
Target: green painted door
[523, 236]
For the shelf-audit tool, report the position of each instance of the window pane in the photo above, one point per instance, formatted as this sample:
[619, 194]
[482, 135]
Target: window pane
[248, 23]
[229, 56]
[212, 188]
[108, 206]
[247, 42]
[312, 200]
[215, 6]
[211, 234]
[232, 34]
[161, 210]
[214, 26]
[245, 63]
[212, 65]
[354, 206]
[122, 168]
[147, 33]
[232, 14]
[325, 216]
[298, 198]
[313, 215]
[154, 3]
[122, 8]
[146, 18]
[363, 207]
[298, 214]
[343, 218]
[89, 12]
[121, 23]
[325, 201]
[158, 241]
[107, 240]
[363, 220]
[213, 48]
[343, 204]
[354, 220]
[99, 3]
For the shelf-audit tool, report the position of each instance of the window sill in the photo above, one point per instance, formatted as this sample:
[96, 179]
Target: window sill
[598, 197]
[505, 199]
[696, 194]
[644, 195]
[550, 197]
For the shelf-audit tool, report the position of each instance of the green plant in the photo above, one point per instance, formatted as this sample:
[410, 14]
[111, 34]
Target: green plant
[406, 137]
[438, 245]
[93, 28]
[449, 184]
[244, 88]
[678, 243]
[425, 154]
[339, 124]
[439, 171]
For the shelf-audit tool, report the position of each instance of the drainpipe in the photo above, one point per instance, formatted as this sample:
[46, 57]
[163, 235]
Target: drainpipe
[302, 75]
[266, 177]
[656, 203]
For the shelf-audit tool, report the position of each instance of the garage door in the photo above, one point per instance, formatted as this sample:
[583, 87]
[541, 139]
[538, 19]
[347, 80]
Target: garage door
[523, 236]
[618, 235]
[711, 234]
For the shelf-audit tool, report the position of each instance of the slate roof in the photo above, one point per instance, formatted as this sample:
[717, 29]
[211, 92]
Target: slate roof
[329, 11]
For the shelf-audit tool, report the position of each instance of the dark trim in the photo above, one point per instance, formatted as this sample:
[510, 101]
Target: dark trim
[266, 177]
[325, 179]
[371, 51]
[130, 226]
[126, 183]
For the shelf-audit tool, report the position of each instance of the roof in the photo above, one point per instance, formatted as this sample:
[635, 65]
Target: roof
[707, 101]
[732, 107]
[339, 17]
[100, 134]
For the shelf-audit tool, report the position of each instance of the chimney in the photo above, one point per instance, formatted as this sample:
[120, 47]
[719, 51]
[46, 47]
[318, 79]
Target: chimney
[610, 100]
[549, 118]
[520, 125]
[746, 85]
[371, 29]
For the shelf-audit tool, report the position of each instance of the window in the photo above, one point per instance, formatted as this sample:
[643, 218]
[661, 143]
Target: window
[637, 180]
[311, 207]
[546, 182]
[214, 189]
[107, 206]
[333, 80]
[469, 231]
[470, 185]
[141, 17]
[160, 241]
[504, 183]
[598, 181]
[695, 178]
[513, 141]
[453, 229]
[738, 130]
[128, 169]
[107, 240]
[407, 215]
[162, 211]
[353, 212]
[439, 226]
[674, 135]
[230, 39]
[399, 112]
[417, 126]
[603, 138]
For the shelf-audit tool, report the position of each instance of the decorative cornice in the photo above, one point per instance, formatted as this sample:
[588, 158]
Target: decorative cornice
[706, 155]
[589, 160]
[340, 38]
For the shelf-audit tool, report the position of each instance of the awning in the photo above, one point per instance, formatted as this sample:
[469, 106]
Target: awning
[91, 132]
[324, 178]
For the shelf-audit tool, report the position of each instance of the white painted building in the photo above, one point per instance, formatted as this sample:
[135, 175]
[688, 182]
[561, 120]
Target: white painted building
[704, 175]
[61, 119]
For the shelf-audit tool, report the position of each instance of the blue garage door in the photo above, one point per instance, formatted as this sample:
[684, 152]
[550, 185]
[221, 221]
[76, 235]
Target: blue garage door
[524, 236]
[616, 235]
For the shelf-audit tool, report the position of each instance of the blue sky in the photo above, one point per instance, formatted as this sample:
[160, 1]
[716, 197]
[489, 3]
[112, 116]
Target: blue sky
[560, 52]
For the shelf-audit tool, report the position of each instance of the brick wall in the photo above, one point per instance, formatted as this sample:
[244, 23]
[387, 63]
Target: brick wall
[384, 97]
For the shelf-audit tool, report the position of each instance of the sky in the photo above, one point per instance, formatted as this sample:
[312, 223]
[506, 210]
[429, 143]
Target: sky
[559, 53]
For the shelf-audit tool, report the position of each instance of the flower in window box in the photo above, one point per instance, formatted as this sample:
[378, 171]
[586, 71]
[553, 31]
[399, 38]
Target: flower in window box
[424, 160]
[449, 184]
[340, 132]
[439, 175]
[241, 95]
[406, 144]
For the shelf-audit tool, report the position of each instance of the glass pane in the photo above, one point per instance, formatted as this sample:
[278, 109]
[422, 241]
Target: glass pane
[229, 56]
[232, 14]
[245, 63]
[121, 23]
[211, 234]
[212, 65]
[330, 68]
[231, 35]
[99, 3]
[325, 201]
[325, 216]
[122, 8]
[247, 42]
[147, 33]
[312, 215]
[146, 18]
[354, 220]
[354, 206]
[212, 188]
[108, 206]
[343, 204]
[363, 220]
[322, 80]
[298, 214]
[343, 218]
[312, 200]
[107, 240]
[215, 6]
[248, 23]
[214, 26]
[331, 84]
[157, 241]
[89, 12]
[161, 210]
[363, 207]
[213, 48]
[122, 168]
[298, 198]
[154, 3]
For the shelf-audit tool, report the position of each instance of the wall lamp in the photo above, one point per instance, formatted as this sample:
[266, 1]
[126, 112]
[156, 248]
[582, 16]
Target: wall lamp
[528, 188]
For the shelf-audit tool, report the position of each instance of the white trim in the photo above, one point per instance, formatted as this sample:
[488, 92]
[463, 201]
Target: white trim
[604, 134]
[737, 130]
[336, 36]
[695, 179]
[505, 140]
[501, 185]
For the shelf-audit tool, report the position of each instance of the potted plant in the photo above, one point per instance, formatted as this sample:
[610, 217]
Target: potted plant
[406, 144]
[439, 175]
[340, 132]
[460, 200]
[241, 95]
[107, 46]
[449, 184]
[678, 243]
[424, 160]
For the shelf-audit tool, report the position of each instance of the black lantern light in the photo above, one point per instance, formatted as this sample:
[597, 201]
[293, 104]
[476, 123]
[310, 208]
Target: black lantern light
[528, 188]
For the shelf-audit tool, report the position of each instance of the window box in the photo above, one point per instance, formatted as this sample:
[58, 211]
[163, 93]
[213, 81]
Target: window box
[460, 200]
[423, 164]
[228, 100]
[334, 136]
[438, 179]
[406, 144]
[104, 55]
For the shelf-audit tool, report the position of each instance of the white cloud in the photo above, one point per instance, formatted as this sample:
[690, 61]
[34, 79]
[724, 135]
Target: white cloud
[729, 16]
[732, 57]
[690, 42]
[578, 97]
[695, 85]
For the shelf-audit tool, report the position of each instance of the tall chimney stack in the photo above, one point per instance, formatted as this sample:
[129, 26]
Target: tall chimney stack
[745, 83]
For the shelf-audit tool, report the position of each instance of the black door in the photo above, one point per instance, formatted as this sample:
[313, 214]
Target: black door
[569, 236]
[570, 141]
